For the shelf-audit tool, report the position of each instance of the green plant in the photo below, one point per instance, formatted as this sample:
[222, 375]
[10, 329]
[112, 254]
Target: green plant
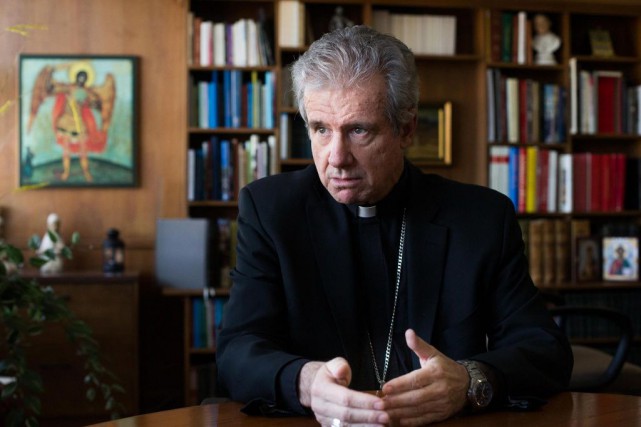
[25, 308]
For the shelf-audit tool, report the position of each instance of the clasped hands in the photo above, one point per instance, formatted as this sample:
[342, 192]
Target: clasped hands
[432, 393]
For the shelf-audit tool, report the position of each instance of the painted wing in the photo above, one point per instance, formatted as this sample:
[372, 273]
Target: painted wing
[42, 88]
[106, 95]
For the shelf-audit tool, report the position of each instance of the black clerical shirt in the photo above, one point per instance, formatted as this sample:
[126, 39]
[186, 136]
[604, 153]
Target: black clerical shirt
[377, 254]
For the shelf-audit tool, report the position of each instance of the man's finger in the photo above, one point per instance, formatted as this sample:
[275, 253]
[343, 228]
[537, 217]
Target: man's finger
[339, 369]
[422, 349]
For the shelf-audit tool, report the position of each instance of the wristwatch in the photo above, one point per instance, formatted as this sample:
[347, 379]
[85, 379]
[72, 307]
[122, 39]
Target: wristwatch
[479, 395]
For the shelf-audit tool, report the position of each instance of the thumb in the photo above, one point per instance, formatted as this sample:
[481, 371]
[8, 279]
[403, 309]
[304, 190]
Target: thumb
[422, 349]
[340, 370]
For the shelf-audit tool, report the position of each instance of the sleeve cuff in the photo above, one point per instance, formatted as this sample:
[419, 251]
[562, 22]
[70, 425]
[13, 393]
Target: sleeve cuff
[287, 383]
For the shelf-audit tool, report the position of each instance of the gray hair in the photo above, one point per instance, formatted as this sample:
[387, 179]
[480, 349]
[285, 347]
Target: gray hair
[349, 57]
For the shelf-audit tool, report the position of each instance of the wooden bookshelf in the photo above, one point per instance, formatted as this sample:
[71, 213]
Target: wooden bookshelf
[193, 357]
[459, 78]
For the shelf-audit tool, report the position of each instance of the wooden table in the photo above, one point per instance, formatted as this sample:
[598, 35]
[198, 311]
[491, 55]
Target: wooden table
[565, 409]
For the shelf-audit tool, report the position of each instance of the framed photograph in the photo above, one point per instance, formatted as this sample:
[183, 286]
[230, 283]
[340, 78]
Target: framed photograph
[588, 259]
[432, 143]
[621, 258]
[601, 43]
[78, 121]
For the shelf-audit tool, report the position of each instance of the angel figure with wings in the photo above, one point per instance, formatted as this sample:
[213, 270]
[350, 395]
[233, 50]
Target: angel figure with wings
[81, 113]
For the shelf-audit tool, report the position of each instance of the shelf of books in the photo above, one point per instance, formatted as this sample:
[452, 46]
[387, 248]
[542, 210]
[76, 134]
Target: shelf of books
[564, 144]
[564, 133]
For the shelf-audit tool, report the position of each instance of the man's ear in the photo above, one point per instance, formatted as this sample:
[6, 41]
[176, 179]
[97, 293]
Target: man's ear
[409, 129]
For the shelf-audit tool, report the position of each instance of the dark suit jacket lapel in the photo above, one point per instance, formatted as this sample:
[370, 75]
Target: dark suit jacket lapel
[426, 248]
[333, 249]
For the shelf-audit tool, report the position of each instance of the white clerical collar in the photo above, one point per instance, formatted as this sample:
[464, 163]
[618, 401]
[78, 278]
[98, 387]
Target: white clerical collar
[366, 211]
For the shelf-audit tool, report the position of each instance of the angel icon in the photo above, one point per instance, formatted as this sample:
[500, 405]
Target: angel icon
[81, 111]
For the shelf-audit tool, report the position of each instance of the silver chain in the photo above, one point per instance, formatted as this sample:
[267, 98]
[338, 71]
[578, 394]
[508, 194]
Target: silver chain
[388, 350]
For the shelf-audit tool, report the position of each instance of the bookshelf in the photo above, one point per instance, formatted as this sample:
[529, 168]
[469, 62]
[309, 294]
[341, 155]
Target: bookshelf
[597, 137]
[198, 358]
[459, 75]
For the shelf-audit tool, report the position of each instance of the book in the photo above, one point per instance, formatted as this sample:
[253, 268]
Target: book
[552, 181]
[512, 108]
[608, 85]
[562, 250]
[285, 136]
[522, 180]
[491, 106]
[513, 175]
[291, 23]
[579, 228]
[542, 180]
[521, 31]
[535, 250]
[632, 187]
[531, 177]
[213, 96]
[206, 43]
[499, 165]
[549, 252]
[220, 44]
[507, 33]
[493, 19]
[566, 183]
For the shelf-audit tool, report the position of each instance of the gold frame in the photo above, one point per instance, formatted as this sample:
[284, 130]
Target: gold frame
[432, 143]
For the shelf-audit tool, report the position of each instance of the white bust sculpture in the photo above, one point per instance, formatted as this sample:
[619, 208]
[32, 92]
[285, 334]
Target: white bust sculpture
[53, 227]
[545, 42]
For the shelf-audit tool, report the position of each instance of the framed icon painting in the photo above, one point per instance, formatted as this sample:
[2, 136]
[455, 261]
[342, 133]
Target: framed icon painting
[78, 121]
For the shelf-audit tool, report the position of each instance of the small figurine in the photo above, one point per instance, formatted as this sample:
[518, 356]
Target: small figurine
[545, 42]
[339, 20]
[56, 244]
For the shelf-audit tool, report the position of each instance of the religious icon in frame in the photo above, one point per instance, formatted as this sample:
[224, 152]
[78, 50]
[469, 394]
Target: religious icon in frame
[621, 258]
[78, 118]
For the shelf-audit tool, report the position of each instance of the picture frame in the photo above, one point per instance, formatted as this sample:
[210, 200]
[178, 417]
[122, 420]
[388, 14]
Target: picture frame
[588, 259]
[621, 258]
[601, 43]
[78, 121]
[432, 143]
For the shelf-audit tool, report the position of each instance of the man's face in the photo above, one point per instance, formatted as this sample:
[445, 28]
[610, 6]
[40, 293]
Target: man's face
[357, 155]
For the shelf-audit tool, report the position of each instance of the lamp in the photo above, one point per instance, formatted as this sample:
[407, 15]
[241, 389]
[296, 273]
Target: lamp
[113, 252]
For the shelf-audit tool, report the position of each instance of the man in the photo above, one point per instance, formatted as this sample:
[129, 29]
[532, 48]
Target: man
[362, 273]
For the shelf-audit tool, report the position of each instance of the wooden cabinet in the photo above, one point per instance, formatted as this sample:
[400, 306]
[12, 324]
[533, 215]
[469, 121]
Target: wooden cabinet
[109, 305]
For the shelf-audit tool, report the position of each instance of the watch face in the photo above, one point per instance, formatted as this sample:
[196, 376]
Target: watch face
[482, 393]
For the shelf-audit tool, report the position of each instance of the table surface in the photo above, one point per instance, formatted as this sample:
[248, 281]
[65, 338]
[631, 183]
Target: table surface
[565, 409]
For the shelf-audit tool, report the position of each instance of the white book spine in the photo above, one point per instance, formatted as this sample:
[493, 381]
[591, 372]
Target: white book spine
[565, 183]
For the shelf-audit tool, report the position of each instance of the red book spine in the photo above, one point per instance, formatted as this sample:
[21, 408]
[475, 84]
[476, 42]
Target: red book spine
[579, 182]
[542, 180]
[607, 104]
[596, 183]
[618, 177]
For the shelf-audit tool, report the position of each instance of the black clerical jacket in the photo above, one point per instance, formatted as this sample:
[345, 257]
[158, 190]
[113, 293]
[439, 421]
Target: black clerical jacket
[469, 292]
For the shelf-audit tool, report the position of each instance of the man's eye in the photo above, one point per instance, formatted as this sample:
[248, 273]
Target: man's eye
[321, 130]
[359, 131]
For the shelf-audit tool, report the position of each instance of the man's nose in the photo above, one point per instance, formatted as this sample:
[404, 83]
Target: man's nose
[340, 154]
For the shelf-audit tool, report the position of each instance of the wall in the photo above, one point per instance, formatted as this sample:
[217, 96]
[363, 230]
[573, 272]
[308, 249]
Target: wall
[153, 30]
